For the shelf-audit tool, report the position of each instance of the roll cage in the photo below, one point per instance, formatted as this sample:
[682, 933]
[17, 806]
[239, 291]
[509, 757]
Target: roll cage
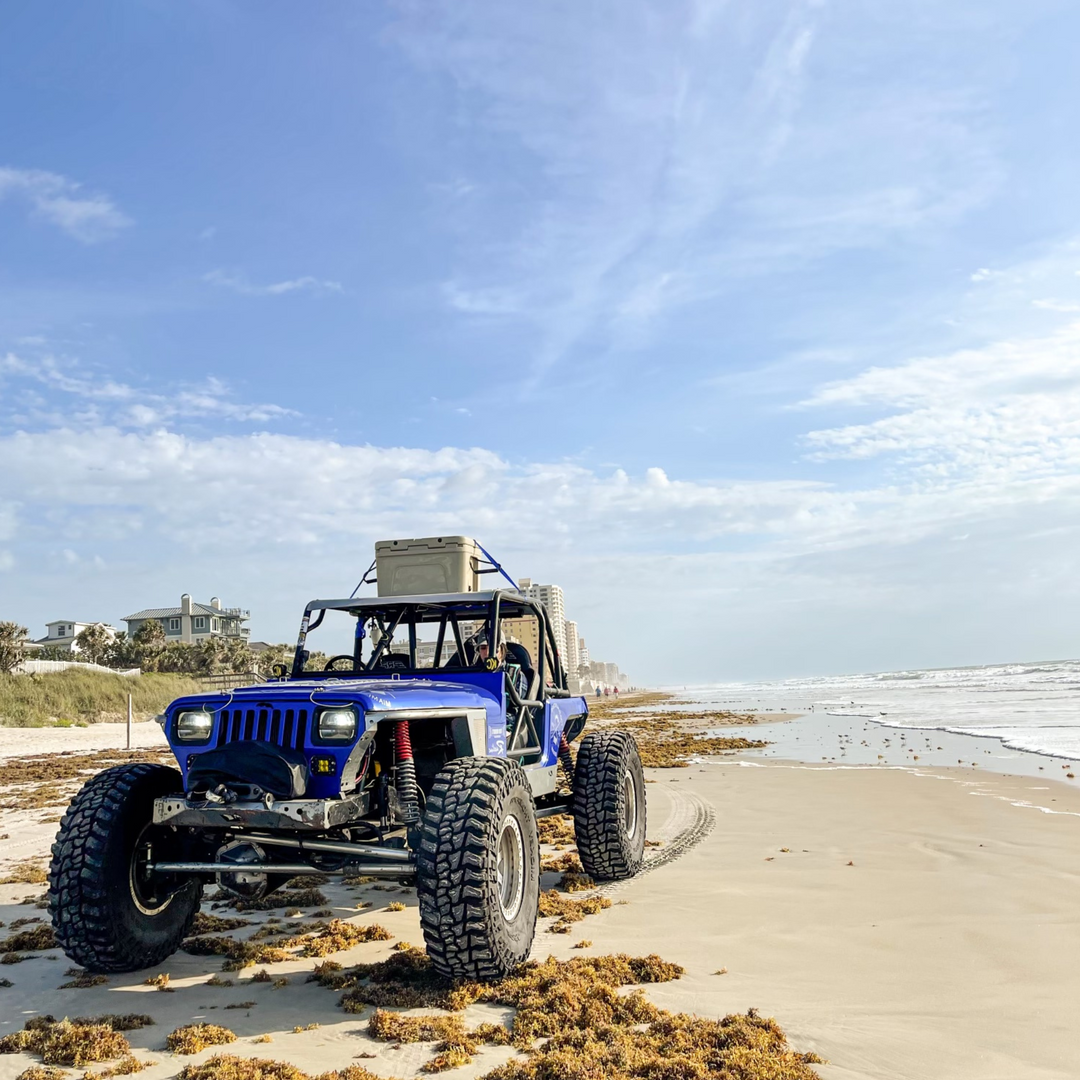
[448, 612]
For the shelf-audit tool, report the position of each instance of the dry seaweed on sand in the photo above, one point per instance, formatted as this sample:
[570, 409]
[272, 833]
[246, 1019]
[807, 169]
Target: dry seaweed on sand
[66, 1042]
[285, 898]
[117, 1021]
[124, 1067]
[192, 1038]
[558, 830]
[664, 745]
[231, 1067]
[239, 954]
[215, 924]
[85, 981]
[34, 940]
[568, 862]
[593, 1029]
[304, 881]
[42, 1072]
[575, 882]
[339, 935]
[568, 912]
[26, 872]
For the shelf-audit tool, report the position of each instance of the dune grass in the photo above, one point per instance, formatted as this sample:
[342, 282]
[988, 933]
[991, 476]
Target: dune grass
[74, 696]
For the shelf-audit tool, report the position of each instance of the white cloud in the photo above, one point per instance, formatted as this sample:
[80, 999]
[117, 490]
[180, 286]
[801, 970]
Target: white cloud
[982, 274]
[238, 282]
[57, 199]
[1067, 306]
[108, 401]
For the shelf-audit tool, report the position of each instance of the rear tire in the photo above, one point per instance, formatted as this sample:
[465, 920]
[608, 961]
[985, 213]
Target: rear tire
[108, 916]
[478, 866]
[609, 806]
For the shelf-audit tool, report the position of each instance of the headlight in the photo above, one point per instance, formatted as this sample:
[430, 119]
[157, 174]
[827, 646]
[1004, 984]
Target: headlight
[194, 726]
[337, 725]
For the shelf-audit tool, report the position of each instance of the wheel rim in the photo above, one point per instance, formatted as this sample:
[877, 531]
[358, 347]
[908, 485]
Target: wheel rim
[150, 892]
[630, 808]
[510, 867]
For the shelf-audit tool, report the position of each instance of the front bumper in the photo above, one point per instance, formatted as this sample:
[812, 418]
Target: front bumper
[308, 815]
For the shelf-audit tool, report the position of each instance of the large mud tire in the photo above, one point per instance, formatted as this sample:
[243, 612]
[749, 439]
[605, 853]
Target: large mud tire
[105, 916]
[609, 806]
[478, 867]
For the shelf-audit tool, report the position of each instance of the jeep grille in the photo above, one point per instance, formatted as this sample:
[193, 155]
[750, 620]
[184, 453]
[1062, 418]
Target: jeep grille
[282, 727]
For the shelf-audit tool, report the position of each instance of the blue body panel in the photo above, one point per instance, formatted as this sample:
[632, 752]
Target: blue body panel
[255, 705]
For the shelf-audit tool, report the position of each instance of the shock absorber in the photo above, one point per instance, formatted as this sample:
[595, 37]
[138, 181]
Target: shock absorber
[566, 761]
[408, 792]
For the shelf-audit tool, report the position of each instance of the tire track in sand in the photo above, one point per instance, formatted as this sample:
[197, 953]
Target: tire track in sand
[689, 821]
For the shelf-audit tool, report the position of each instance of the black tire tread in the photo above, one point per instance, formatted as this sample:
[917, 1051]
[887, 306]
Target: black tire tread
[602, 761]
[456, 882]
[77, 895]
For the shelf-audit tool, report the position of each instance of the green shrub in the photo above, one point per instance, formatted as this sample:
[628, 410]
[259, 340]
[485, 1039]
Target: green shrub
[74, 696]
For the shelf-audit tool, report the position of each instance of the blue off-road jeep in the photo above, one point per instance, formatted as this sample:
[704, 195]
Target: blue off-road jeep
[423, 750]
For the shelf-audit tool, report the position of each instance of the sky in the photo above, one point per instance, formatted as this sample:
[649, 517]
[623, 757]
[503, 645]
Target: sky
[754, 326]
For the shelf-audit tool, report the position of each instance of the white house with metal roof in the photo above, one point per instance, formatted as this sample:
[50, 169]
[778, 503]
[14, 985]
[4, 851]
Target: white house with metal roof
[193, 622]
[61, 633]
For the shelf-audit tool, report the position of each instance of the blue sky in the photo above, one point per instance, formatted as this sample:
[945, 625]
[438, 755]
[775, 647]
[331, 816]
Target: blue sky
[753, 325]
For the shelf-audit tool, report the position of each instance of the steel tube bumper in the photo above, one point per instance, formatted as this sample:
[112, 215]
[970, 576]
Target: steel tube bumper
[314, 815]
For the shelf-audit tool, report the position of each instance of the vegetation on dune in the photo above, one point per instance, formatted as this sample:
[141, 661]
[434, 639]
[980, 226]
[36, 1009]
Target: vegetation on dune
[90, 696]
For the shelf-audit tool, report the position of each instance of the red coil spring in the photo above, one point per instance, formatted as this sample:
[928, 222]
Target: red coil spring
[402, 741]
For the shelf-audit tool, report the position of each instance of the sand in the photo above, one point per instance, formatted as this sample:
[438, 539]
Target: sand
[949, 948]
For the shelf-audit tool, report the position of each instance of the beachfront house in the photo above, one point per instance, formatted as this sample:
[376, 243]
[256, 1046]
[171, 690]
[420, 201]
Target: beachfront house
[193, 622]
[61, 634]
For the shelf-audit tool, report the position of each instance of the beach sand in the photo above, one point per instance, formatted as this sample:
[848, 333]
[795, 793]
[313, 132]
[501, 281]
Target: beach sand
[921, 924]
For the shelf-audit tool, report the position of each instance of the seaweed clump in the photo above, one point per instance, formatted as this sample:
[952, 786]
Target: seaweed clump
[39, 938]
[589, 1027]
[67, 1042]
[215, 924]
[27, 872]
[231, 1067]
[339, 935]
[285, 898]
[192, 1038]
[567, 911]
[557, 830]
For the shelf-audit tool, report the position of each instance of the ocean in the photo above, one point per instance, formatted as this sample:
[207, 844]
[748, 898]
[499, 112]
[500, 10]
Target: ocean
[1031, 708]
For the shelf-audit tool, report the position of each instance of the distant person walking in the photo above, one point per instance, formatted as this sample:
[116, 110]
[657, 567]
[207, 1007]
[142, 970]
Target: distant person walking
[598, 691]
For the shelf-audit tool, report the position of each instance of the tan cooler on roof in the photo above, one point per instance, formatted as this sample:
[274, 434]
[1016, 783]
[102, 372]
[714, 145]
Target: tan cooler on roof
[430, 564]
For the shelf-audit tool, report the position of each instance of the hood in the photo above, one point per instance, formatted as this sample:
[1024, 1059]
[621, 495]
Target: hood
[372, 695]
